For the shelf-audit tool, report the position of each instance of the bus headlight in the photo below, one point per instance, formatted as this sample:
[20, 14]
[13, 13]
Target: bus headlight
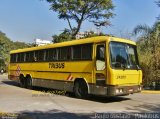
[140, 88]
[119, 90]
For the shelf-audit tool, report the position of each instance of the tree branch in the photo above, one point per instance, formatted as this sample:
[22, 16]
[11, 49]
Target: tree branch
[79, 23]
[69, 23]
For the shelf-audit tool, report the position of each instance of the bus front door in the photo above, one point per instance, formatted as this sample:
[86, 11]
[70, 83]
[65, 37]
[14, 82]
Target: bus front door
[100, 70]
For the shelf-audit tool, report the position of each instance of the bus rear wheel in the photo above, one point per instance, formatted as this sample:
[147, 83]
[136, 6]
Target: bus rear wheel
[80, 89]
[22, 82]
[29, 82]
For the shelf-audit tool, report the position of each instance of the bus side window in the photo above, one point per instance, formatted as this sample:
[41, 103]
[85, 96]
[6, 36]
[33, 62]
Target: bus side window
[65, 53]
[27, 56]
[100, 57]
[24, 57]
[51, 54]
[86, 52]
[21, 57]
[69, 53]
[45, 53]
[13, 58]
[76, 52]
[40, 55]
[55, 54]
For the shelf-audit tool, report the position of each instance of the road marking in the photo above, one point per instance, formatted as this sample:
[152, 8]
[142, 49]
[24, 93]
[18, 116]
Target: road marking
[150, 92]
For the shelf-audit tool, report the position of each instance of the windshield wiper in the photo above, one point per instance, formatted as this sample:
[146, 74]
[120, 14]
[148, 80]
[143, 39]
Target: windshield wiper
[138, 68]
[123, 66]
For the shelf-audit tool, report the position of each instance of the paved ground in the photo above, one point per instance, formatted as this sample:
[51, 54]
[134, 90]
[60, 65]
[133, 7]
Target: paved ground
[35, 105]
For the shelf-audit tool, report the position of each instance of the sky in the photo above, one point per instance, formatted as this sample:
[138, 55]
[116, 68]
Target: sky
[26, 20]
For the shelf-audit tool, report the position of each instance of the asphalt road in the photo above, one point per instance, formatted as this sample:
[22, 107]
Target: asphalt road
[33, 104]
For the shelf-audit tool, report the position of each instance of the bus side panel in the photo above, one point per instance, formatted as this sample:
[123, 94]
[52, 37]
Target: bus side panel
[53, 74]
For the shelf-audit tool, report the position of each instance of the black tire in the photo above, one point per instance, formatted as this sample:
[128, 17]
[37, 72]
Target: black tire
[29, 82]
[81, 90]
[22, 82]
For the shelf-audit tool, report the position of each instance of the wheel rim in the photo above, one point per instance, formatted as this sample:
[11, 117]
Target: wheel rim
[80, 90]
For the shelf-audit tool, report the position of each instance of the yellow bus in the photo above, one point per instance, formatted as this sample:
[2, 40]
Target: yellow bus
[103, 65]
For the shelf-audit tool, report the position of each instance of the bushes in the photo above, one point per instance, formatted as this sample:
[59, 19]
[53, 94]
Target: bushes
[149, 54]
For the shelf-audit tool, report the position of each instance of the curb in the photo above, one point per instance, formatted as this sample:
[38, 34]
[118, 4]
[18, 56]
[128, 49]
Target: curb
[150, 92]
[4, 74]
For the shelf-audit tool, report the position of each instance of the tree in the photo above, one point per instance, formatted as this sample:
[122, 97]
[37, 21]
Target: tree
[95, 11]
[6, 45]
[150, 35]
[93, 34]
[64, 36]
[149, 49]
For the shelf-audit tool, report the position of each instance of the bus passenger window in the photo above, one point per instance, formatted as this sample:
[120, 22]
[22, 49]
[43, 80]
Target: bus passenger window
[40, 55]
[87, 52]
[13, 58]
[18, 57]
[76, 52]
[65, 53]
[21, 58]
[35, 56]
[27, 57]
[100, 57]
[52, 54]
[55, 54]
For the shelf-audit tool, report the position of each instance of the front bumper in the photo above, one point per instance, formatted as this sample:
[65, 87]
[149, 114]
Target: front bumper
[123, 90]
[114, 90]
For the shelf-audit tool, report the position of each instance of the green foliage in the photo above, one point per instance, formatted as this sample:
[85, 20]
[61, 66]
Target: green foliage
[92, 34]
[96, 11]
[149, 52]
[67, 36]
[64, 36]
[6, 45]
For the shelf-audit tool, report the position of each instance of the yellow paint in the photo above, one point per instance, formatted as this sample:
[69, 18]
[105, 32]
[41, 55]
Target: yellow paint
[78, 69]
[150, 92]
[8, 115]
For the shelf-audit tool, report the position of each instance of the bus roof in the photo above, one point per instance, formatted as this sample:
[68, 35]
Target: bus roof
[75, 42]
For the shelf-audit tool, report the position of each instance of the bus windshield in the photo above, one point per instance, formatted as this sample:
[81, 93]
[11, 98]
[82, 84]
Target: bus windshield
[123, 56]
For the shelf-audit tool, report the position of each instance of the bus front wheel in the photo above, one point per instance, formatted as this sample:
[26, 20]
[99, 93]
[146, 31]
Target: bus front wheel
[80, 89]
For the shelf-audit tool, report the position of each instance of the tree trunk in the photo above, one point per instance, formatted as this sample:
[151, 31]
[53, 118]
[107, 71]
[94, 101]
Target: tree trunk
[79, 25]
[69, 23]
[77, 29]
